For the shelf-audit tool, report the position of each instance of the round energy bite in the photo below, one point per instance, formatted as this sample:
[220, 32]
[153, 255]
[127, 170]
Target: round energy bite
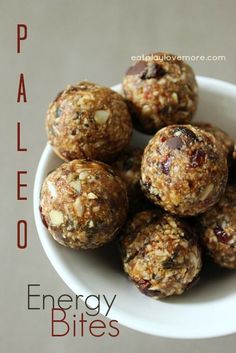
[83, 204]
[160, 254]
[88, 121]
[223, 138]
[128, 166]
[160, 91]
[218, 226]
[184, 170]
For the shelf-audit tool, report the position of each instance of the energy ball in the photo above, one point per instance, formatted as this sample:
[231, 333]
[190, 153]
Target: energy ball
[160, 254]
[218, 227]
[128, 166]
[83, 204]
[88, 121]
[160, 91]
[223, 138]
[184, 170]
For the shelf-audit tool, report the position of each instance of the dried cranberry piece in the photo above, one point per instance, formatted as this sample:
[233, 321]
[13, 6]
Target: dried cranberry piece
[174, 143]
[197, 158]
[222, 236]
[163, 139]
[143, 284]
[43, 217]
[70, 155]
[137, 68]
[73, 132]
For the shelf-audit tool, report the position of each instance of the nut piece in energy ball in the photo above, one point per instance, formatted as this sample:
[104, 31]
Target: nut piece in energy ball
[88, 121]
[128, 166]
[83, 204]
[218, 226]
[184, 170]
[223, 138]
[160, 254]
[160, 91]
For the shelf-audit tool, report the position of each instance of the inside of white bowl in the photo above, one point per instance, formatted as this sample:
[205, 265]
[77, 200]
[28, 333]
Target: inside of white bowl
[207, 310]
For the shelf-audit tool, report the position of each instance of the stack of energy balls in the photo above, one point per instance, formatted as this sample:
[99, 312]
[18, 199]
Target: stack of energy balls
[163, 204]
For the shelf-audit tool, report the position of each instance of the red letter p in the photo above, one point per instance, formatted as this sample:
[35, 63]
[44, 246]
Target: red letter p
[21, 35]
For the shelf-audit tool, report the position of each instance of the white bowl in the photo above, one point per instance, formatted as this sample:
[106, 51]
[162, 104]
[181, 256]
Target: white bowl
[207, 310]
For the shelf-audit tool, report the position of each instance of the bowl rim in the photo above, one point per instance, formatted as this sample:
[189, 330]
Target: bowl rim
[123, 317]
